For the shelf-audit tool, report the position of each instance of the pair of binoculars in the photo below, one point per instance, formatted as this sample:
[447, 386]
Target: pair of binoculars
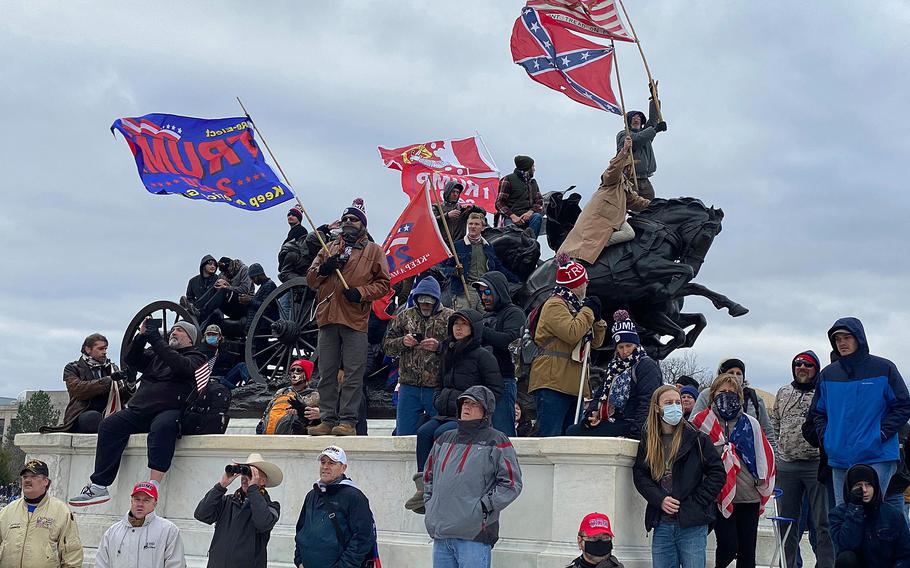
[232, 469]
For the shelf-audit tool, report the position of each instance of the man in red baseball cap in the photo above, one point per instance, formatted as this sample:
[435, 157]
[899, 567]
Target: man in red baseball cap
[595, 540]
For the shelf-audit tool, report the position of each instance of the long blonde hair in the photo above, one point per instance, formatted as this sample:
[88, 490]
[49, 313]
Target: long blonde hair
[654, 455]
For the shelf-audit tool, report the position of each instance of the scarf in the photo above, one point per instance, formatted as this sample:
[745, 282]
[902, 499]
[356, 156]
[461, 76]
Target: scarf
[747, 445]
[113, 398]
[619, 379]
[575, 305]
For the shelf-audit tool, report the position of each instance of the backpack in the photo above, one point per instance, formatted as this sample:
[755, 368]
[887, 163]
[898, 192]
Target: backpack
[208, 413]
[525, 349]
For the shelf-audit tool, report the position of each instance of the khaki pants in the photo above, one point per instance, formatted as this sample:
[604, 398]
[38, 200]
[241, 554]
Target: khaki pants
[623, 234]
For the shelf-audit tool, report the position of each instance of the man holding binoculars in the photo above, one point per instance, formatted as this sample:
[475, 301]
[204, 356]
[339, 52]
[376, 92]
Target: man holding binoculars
[243, 520]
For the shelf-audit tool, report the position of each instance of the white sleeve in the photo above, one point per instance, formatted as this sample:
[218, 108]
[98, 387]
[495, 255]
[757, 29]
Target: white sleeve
[102, 555]
[174, 556]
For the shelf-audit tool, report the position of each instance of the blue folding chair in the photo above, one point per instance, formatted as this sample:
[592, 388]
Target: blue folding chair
[782, 527]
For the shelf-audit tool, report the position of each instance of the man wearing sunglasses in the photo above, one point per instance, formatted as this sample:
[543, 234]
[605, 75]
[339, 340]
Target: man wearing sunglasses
[797, 462]
[342, 314]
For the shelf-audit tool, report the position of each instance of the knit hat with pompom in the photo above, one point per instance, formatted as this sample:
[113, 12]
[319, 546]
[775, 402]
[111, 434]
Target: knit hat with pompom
[624, 329]
[357, 209]
[569, 273]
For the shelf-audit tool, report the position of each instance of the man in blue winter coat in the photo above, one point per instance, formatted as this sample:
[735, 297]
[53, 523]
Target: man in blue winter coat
[335, 527]
[477, 257]
[860, 403]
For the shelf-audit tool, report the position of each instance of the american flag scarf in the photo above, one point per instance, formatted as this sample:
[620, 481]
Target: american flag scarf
[748, 446]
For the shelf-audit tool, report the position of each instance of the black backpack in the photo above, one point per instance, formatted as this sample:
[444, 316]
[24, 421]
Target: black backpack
[208, 412]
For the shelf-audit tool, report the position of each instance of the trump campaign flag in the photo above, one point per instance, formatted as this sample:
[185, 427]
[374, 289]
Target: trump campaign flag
[555, 57]
[464, 160]
[208, 159]
[593, 17]
[414, 243]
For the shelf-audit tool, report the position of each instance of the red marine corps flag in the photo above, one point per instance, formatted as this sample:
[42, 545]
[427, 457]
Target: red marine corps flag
[414, 243]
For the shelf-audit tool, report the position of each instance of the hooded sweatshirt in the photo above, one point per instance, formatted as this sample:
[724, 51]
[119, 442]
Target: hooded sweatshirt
[791, 405]
[501, 325]
[642, 152]
[154, 544]
[877, 532]
[464, 364]
[417, 366]
[860, 402]
[472, 474]
[458, 226]
[199, 285]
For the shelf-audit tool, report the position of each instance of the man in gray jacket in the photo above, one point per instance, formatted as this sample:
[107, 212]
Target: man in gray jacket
[464, 500]
[642, 131]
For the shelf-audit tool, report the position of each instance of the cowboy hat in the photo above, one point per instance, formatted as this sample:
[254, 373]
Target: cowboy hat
[271, 470]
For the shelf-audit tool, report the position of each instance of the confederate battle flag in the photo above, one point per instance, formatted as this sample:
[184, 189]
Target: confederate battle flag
[414, 243]
[555, 57]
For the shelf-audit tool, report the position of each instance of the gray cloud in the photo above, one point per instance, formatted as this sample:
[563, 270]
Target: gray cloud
[790, 119]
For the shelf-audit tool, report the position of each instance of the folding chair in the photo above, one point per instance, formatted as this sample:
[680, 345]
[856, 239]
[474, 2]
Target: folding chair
[781, 525]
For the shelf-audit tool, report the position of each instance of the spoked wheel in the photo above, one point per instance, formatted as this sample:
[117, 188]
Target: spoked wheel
[283, 330]
[168, 312]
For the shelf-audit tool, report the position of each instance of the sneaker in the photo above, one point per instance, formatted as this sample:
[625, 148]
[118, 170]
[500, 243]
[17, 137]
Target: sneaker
[344, 429]
[321, 429]
[91, 495]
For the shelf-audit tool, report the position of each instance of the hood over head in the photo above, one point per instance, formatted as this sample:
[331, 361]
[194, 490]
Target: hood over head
[482, 395]
[855, 327]
[428, 287]
[450, 185]
[473, 317]
[205, 259]
[807, 355]
[497, 282]
[863, 472]
[632, 113]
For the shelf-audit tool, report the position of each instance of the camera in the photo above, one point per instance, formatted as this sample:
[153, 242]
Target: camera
[418, 337]
[152, 323]
[232, 469]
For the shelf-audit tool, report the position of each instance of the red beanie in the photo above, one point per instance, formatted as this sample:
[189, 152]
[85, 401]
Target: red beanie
[570, 273]
[306, 365]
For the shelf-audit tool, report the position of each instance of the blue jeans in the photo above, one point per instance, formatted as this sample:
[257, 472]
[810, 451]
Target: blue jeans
[238, 374]
[412, 403]
[534, 223]
[504, 415]
[555, 412]
[673, 547]
[885, 471]
[427, 434]
[458, 553]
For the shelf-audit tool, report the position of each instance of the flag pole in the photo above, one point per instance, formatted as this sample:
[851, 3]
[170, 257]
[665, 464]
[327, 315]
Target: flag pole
[288, 183]
[644, 60]
[622, 103]
[458, 266]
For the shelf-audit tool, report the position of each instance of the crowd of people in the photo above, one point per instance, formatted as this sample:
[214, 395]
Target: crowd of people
[829, 450]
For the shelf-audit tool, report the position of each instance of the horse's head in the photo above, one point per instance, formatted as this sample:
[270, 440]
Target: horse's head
[697, 235]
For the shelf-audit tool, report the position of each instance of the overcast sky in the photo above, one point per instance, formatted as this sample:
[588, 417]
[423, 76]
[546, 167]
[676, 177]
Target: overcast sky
[793, 120]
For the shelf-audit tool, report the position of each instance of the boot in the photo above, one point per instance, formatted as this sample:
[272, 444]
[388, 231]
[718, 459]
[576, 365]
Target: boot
[321, 429]
[415, 503]
[344, 429]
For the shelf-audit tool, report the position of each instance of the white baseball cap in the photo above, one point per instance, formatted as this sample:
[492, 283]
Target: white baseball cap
[335, 454]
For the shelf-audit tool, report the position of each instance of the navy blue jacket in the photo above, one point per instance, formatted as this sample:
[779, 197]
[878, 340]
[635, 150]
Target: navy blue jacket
[463, 250]
[860, 403]
[879, 534]
[316, 540]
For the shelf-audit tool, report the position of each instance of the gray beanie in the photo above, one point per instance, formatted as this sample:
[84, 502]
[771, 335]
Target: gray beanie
[189, 328]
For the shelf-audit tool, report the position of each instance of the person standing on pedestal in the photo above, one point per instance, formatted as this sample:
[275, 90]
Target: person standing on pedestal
[342, 315]
[643, 131]
[679, 474]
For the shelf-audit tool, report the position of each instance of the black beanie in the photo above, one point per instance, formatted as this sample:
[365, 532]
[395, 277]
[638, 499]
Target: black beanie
[861, 472]
[524, 163]
[733, 363]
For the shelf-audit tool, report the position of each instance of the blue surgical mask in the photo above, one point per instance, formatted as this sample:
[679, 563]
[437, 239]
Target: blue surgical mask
[211, 339]
[673, 413]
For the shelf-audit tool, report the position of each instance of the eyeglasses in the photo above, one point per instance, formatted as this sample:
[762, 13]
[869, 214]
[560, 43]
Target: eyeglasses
[805, 364]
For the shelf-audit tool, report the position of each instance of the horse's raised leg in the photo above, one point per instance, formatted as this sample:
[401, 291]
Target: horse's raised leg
[719, 300]
[660, 323]
[697, 320]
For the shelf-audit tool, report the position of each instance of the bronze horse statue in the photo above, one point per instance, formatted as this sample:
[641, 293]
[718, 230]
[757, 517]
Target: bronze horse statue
[649, 276]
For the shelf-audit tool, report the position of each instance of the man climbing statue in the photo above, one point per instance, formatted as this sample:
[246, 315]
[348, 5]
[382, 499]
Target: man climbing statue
[643, 132]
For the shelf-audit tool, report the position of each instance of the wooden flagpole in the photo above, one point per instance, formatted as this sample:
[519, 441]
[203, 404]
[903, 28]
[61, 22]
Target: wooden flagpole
[644, 60]
[622, 104]
[288, 183]
[458, 266]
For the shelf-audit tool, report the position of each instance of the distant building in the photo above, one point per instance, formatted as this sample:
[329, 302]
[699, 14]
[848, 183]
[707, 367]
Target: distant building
[9, 407]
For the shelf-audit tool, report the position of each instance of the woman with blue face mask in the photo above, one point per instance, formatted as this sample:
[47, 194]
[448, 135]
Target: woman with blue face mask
[679, 474]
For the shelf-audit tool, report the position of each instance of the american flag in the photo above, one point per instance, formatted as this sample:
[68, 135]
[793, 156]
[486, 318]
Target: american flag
[757, 458]
[592, 17]
[204, 372]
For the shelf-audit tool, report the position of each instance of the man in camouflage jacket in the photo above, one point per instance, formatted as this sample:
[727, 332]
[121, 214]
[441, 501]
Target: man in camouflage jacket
[415, 337]
[797, 461]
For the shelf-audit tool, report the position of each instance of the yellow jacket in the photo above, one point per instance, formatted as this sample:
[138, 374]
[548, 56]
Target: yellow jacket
[46, 538]
[559, 330]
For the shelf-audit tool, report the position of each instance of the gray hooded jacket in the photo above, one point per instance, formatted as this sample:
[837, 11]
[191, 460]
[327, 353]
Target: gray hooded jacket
[471, 475]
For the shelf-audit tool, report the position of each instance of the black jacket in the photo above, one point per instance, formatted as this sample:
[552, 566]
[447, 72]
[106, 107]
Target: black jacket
[503, 325]
[317, 541]
[199, 285]
[463, 365]
[646, 377]
[242, 529]
[698, 476]
[295, 256]
[611, 562]
[168, 375]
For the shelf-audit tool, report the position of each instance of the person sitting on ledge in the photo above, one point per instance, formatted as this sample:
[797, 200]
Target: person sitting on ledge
[519, 200]
[620, 408]
[293, 408]
[602, 222]
[96, 387]
[595, 540]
